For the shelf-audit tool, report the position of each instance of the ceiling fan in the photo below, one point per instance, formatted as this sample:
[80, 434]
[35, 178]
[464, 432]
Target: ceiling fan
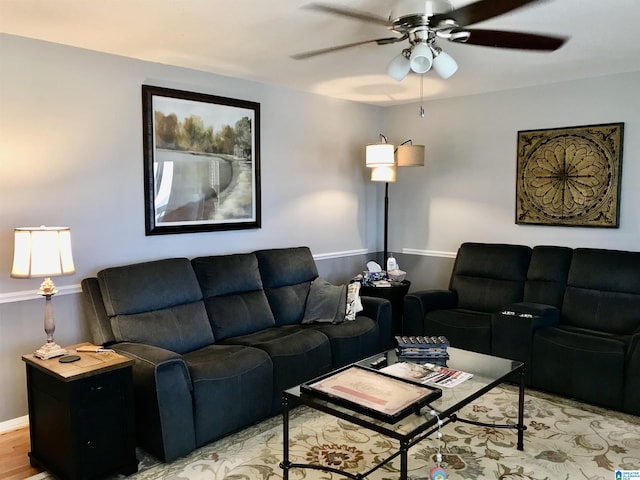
[421, 22]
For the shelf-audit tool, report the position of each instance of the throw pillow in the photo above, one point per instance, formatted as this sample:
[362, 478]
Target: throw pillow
[326, 303]
[354, 304]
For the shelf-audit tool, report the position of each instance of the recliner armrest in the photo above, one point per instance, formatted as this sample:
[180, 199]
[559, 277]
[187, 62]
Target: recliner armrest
[163, 400]
[513, 328]
[416, 305]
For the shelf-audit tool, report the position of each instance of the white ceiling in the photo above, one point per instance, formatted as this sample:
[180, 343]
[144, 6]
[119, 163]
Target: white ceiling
[253, 39]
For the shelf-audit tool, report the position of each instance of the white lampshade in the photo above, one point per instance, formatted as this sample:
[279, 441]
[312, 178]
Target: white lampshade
[399, 67]
[411, 155]
[421, 58]
[42, 252]
[444, 65]
[380, 154]
[383, 174]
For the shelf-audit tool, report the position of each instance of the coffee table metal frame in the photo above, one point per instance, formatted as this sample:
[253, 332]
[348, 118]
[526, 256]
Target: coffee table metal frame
[502, 369]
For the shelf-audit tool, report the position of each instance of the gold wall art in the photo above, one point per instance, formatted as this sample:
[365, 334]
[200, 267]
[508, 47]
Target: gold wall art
[570, 176]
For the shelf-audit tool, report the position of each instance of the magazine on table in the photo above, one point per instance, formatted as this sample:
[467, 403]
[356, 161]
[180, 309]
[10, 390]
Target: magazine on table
[427, 373]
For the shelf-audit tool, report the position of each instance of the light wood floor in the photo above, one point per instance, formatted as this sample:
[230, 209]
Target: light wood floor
[14, 458]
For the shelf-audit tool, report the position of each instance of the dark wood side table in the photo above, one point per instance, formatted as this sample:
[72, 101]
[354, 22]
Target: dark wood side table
[81, 417]
[395, 294]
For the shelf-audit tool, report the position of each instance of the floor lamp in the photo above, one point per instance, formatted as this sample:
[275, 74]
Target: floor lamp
[383, 158]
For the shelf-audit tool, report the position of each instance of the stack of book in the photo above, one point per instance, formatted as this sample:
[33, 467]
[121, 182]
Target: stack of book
[422, 347]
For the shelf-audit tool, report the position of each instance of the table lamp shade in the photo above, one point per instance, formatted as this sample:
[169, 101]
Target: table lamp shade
[42, 252]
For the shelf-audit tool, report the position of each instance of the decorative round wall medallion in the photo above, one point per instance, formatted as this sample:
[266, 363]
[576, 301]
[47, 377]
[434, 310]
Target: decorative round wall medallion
[569, 176]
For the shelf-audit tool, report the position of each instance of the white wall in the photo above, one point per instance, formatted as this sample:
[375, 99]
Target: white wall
[466, 191]
[71, 154]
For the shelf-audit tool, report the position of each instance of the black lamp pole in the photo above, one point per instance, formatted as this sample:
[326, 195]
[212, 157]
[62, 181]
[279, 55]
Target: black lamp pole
[386, 226]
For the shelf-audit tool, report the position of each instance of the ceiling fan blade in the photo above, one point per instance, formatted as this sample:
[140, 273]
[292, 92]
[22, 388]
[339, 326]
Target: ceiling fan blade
[379, 41]
[478, 11]
[517, 40]
[349, 13]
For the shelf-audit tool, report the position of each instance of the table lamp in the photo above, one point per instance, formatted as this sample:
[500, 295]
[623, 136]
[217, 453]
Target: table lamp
[44, 252]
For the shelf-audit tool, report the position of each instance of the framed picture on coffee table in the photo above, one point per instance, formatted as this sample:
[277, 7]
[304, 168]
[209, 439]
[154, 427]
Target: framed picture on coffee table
[381, 396]
[201, 162]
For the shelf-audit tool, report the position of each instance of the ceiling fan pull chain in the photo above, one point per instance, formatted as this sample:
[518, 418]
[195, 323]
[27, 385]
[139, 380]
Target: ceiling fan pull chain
[421, 95]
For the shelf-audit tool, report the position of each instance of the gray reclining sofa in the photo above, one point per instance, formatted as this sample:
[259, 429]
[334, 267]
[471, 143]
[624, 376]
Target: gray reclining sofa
[571, 315]
[216, 339]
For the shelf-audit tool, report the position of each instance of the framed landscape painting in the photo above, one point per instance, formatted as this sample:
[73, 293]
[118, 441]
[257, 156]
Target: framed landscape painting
[201, 162]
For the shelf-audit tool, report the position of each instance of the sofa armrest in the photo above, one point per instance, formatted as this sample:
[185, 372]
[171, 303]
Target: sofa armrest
[513, 328]
[416, 305]
[163, 400]
[631, 402]
[97, 318]
[379, 310]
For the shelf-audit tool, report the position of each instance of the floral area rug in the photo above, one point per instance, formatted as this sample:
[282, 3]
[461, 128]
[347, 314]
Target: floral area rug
[564, 440]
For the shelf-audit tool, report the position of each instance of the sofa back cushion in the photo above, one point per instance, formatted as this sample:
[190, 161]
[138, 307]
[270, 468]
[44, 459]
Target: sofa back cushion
[486, 277]
[157, 303]
[233, 296]
[286, 275]
[547, 275]
[603, 291]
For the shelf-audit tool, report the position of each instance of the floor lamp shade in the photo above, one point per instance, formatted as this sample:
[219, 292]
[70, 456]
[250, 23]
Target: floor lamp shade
[380, 154]
[44, 252]
[411, 155]
[383, 174]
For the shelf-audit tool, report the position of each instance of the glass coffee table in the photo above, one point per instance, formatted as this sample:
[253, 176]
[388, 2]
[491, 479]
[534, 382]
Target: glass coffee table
[410, 428]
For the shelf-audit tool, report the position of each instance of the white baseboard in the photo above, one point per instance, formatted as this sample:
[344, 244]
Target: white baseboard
[14, 424]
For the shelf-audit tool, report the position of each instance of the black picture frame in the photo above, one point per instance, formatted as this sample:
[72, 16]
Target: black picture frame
[201, 162]
[419, 394]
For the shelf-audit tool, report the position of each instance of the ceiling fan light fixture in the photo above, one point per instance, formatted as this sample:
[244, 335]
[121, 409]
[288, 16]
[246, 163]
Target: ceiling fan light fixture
[444, 64]
[399, 67]
[421, 58]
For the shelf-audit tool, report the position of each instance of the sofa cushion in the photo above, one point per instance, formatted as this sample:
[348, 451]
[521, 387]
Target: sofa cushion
[579, 365]
[286, 275]
[233, 296]
[603, 291]
[326, 303]
[145, 306]
[181, 329]
[547, 275]
[142, 287]
[351, 341]
[227, 380]
[488, 276]
[466, 329]
[298, 354]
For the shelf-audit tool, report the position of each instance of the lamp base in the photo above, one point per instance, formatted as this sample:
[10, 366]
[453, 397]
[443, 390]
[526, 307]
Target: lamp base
[49, 350]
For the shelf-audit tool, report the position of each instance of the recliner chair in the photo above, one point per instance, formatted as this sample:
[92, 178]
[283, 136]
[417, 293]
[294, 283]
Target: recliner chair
[485, 278]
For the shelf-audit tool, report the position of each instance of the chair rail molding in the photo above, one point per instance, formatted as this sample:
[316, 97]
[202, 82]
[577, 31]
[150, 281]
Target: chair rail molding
[346, 253]
[22, 295]
[428, 253]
